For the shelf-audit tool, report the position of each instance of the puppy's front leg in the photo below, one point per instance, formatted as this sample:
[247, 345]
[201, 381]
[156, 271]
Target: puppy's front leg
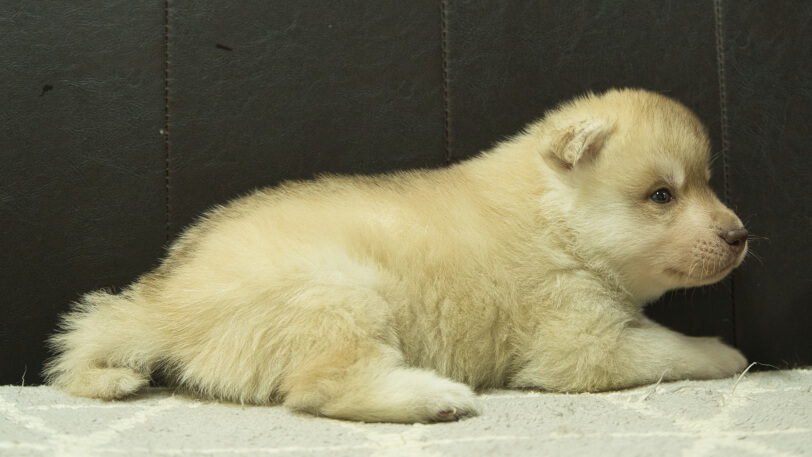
[686, 357]
[613, 351]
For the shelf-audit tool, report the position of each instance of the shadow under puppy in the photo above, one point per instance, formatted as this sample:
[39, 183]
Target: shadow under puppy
[389, 298]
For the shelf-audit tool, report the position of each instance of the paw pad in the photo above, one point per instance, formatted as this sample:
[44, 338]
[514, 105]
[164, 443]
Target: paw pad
[448, 415]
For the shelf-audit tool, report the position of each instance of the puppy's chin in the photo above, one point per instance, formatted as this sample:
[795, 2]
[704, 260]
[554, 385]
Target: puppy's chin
[684, 280]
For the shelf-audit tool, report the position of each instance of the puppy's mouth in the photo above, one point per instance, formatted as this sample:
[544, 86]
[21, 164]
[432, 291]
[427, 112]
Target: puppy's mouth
[705, 273]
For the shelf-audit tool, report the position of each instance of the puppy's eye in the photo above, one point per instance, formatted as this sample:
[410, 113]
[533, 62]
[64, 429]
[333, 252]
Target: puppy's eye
[662, 196]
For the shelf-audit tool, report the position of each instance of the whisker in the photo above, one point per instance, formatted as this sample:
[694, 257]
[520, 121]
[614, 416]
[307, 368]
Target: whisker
[691, 267]
[757, 238]
[746, 219]
[755, 256]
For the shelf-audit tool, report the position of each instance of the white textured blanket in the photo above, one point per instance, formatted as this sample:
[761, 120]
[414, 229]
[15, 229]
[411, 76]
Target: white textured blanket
[767, 413]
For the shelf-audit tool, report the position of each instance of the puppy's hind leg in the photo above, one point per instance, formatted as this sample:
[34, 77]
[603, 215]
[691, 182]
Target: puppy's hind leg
[102, 349]
[378, 388]
[353, 369]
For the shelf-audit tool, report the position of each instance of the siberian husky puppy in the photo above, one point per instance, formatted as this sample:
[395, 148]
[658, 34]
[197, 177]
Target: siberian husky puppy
[394, 297]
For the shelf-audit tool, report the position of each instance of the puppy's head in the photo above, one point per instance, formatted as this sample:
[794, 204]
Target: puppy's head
[635, 167]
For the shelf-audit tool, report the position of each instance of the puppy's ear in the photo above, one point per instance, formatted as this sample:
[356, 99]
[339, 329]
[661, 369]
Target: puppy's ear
[578, 144]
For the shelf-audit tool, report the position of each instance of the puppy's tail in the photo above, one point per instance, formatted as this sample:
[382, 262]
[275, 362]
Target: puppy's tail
[102, 348]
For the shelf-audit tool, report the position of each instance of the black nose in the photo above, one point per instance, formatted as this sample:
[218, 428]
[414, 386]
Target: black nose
[735, 238]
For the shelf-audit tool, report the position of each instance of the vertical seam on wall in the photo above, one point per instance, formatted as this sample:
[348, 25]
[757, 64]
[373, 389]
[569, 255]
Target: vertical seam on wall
[167, 145]
[720, 66]
[446, 114]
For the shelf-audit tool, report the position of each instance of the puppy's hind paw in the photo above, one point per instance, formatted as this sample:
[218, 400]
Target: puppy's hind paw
[450, 415]
[452, 402]
[402, 395]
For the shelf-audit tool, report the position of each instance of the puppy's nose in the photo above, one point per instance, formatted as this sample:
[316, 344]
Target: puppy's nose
[735, 238]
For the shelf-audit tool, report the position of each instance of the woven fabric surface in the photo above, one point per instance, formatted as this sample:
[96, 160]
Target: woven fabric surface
[764, 413]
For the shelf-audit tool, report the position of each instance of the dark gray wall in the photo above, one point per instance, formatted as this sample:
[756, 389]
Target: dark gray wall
[82, 194]
[123, 120]
[768, 113]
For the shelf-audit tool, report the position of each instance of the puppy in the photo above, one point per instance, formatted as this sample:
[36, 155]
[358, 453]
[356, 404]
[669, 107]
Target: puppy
[390, 298]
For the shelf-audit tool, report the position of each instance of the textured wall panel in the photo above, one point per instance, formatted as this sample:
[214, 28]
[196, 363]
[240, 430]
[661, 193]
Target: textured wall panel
[266, 91]
[768, 68]
[82, 177]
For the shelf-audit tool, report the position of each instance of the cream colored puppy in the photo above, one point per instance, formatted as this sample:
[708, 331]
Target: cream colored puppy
[389, 298]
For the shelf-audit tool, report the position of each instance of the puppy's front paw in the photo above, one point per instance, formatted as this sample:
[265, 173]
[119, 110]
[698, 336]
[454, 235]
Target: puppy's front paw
[722, 360]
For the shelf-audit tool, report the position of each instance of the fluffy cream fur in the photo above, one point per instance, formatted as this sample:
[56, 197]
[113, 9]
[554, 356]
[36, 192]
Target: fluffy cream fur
[389, 298]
